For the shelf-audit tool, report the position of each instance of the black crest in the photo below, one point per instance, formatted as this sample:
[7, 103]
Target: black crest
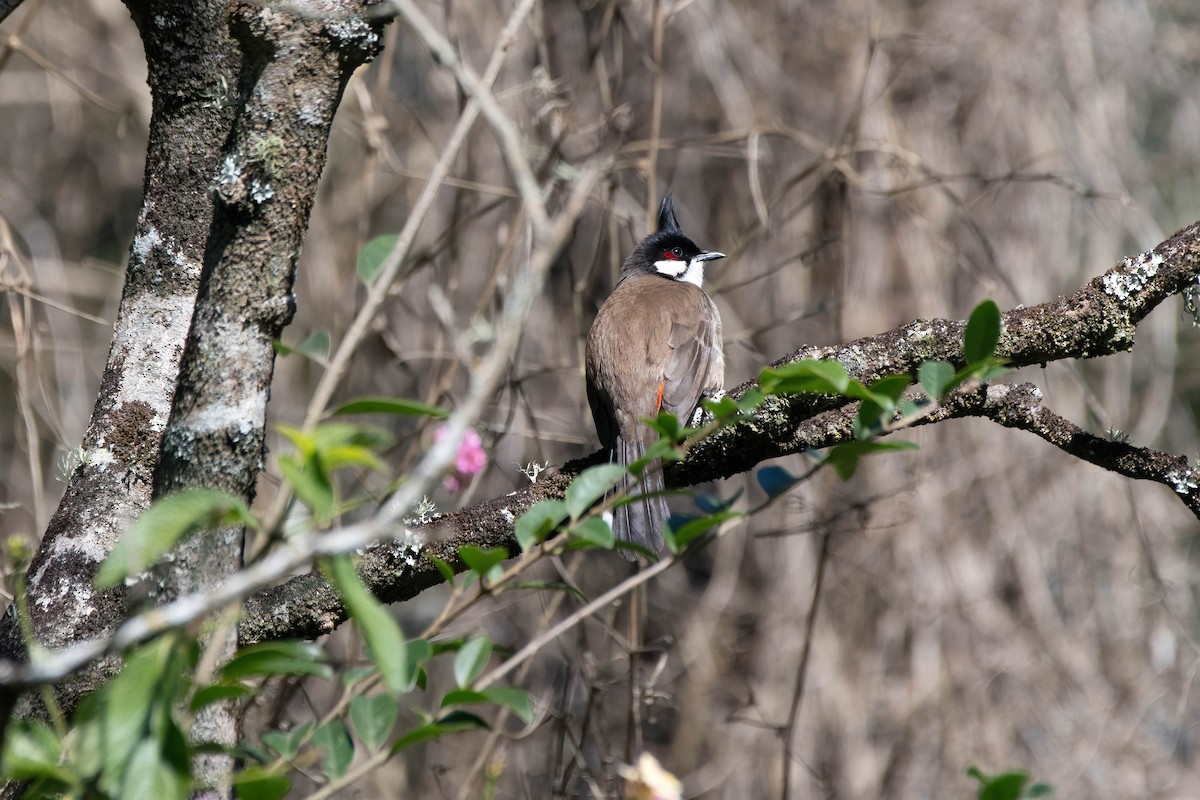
[667, 223]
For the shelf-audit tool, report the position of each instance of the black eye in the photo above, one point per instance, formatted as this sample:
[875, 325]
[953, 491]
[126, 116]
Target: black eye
[677, 252]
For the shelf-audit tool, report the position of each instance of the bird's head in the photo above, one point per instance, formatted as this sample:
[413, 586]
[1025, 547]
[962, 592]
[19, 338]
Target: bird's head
[668, 252]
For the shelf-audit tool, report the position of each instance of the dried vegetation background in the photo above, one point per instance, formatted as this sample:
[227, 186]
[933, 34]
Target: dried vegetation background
[986, 601]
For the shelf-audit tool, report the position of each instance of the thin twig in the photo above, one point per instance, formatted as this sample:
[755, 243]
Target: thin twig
[512, 144]
[530, 649]
[789, 732]
[656, 99]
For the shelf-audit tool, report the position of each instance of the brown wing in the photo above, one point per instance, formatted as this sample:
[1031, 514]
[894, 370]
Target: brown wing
[695, 367]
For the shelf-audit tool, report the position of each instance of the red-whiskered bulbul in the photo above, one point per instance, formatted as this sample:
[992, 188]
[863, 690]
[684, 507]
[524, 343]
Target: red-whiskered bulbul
[655, 346]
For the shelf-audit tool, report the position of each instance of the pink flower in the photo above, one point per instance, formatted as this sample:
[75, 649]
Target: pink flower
[471, 457]
[470, 460]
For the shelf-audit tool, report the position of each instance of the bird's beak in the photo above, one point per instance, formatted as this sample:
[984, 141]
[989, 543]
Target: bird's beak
[709, 255]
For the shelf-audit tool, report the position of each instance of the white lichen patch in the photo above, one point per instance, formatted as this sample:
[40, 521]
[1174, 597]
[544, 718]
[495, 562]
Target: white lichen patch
[532, 470]
[411, 545]
[507, 515]
[311, 113]
[149, 351]
[261, 191]
[81, 596]
[919, 330]
[424, 512]
[1137, 273]
[1183, 482]
[144, 243]
[242, 413]
[231, 169]
[353, 29]
[97, 456]
[1190, 304]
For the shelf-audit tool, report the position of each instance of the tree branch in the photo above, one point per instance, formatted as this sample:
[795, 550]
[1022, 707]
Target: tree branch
[1098, 319]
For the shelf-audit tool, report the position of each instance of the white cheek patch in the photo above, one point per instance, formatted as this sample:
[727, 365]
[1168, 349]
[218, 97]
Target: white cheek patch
[687, 271]
[671, 266]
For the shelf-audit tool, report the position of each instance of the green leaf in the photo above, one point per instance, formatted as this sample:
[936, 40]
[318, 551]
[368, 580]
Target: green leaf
[891, 386]
[269, 659]
[596, 531]
[871, 417]
[481, 560]
[287, 743]
[807, 376]
[990, 372]
[515, 700]
[844, 457]
[416, 653]
[312, 485]
[590, 485]
[1040, 790]
[712, 504]
[459, 697]
[385, 641]
[315, 347]
[935, 377]
[982, 333]
[373, 256]
[660, 448]
[1004, 787]
[356, 674]
[775, 480]
[373, 718]
[256, 783]
[724, 409]
[149, 775]
[451, 723]
[168, 520]
[390, 405]
[682, 531]
[667, 425]
[912, 408]
[751, 400]
[304, 442]
[535, 525]
[471, 659]
[332, 446]
[443, 568]
[32, 750]
[352, 455]
[128, 705]
[334, 743]
[217, 693]
[89, 747]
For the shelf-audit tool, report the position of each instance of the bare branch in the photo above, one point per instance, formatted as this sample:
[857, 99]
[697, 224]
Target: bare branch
[1020, 406]
[511, 141]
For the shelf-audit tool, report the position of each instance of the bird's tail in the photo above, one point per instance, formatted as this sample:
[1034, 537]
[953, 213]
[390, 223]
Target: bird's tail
[641, 520]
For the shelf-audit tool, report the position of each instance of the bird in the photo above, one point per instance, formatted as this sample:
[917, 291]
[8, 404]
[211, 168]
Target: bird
[655, 345]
